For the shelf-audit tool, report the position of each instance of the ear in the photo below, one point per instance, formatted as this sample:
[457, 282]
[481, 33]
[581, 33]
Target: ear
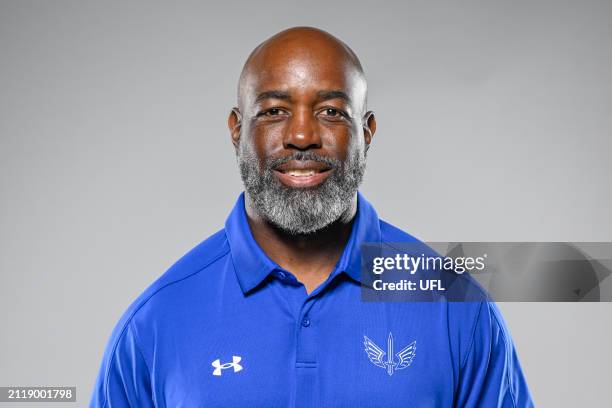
[369, 127]
[234, 123]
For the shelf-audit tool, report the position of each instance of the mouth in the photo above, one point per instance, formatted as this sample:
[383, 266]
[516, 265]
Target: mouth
[301, 174]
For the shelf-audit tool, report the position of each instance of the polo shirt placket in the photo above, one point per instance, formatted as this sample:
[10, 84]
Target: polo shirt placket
[365, 229]
[305, 311]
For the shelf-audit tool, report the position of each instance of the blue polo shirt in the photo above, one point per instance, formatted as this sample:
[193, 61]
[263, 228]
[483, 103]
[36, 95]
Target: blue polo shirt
[225, 326]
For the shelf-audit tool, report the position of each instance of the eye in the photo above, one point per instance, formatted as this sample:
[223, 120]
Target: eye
[273, 112]
[333, 114]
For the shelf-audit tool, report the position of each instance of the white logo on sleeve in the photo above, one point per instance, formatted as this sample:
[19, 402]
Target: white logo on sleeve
[376, 355]
[218, 366]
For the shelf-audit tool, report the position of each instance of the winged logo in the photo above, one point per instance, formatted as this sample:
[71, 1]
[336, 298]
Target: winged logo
[401, 360]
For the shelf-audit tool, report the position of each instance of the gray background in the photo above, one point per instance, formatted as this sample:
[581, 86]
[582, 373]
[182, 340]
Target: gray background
[493, 125]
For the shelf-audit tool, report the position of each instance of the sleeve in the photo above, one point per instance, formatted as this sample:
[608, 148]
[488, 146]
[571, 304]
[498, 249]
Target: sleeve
[490, 375]
[124, 378]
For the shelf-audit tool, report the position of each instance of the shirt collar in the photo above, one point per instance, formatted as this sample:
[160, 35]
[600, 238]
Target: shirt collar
[252, 265]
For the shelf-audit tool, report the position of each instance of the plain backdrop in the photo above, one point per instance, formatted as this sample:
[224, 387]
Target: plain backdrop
[493, 125]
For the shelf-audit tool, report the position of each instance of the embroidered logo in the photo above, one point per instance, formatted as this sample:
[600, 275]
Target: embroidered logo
[218, 366]
[401, 360]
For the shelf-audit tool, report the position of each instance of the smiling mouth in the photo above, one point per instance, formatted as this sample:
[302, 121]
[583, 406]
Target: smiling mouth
[300, 174]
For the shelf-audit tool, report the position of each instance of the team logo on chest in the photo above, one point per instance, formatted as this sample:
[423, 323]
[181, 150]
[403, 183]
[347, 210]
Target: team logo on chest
[234, 364]
[391, 363]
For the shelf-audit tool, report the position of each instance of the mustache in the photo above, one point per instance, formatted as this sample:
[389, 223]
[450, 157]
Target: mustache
[302, 156]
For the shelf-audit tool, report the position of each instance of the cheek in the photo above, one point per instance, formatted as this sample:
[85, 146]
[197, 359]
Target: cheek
[267, 138]
[341, 140]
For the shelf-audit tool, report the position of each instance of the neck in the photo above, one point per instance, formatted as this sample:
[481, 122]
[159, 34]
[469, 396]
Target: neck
[310, 257]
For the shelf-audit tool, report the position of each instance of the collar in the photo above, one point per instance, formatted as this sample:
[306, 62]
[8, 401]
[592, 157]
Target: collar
[252, 265]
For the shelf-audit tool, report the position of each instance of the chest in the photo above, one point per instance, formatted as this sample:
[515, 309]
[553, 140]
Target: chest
[293, 354]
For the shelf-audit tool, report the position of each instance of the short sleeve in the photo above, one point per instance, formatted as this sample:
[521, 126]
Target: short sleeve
[123, 379]
[491, 375]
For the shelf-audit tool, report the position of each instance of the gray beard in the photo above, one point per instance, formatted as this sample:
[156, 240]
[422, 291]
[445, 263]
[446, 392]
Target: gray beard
[300, 210]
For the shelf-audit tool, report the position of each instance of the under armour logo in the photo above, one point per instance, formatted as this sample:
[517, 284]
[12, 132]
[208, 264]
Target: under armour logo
[218, 366]
[376, 355]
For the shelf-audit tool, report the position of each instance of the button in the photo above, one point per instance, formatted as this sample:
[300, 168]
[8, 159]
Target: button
[305, 321]
[281, 275]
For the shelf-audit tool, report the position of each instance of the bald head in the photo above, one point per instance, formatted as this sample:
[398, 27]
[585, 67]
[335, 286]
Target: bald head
[297, 55]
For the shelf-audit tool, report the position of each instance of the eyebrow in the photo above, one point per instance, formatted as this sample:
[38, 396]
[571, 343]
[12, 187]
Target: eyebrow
[273, 95]
[285, 96]
[326, 95]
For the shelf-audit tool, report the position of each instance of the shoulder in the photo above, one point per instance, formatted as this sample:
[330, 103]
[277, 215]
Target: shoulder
[495, 330]
[120, 362]
[467, 302]
[199, 261]
[490, 373]
[489, 333]
[477, 331]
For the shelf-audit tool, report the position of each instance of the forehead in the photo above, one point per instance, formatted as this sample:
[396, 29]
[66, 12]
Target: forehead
[303, 71]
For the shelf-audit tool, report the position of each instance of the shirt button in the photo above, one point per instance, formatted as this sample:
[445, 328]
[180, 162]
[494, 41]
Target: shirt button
[281, 275]
[305, 321]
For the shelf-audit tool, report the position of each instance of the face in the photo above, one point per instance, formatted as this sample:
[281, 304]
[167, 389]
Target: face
[301, 136]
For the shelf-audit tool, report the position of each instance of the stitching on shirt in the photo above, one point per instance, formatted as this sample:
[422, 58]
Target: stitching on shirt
[472, 340]
[450, 356]
[107, 374]
[506, 344]
[139, 346]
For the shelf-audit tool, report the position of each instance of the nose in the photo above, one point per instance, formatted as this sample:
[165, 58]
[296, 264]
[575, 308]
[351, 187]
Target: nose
[301, 134]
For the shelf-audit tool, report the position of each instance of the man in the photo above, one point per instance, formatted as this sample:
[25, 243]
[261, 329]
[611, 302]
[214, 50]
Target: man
[267, 312]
